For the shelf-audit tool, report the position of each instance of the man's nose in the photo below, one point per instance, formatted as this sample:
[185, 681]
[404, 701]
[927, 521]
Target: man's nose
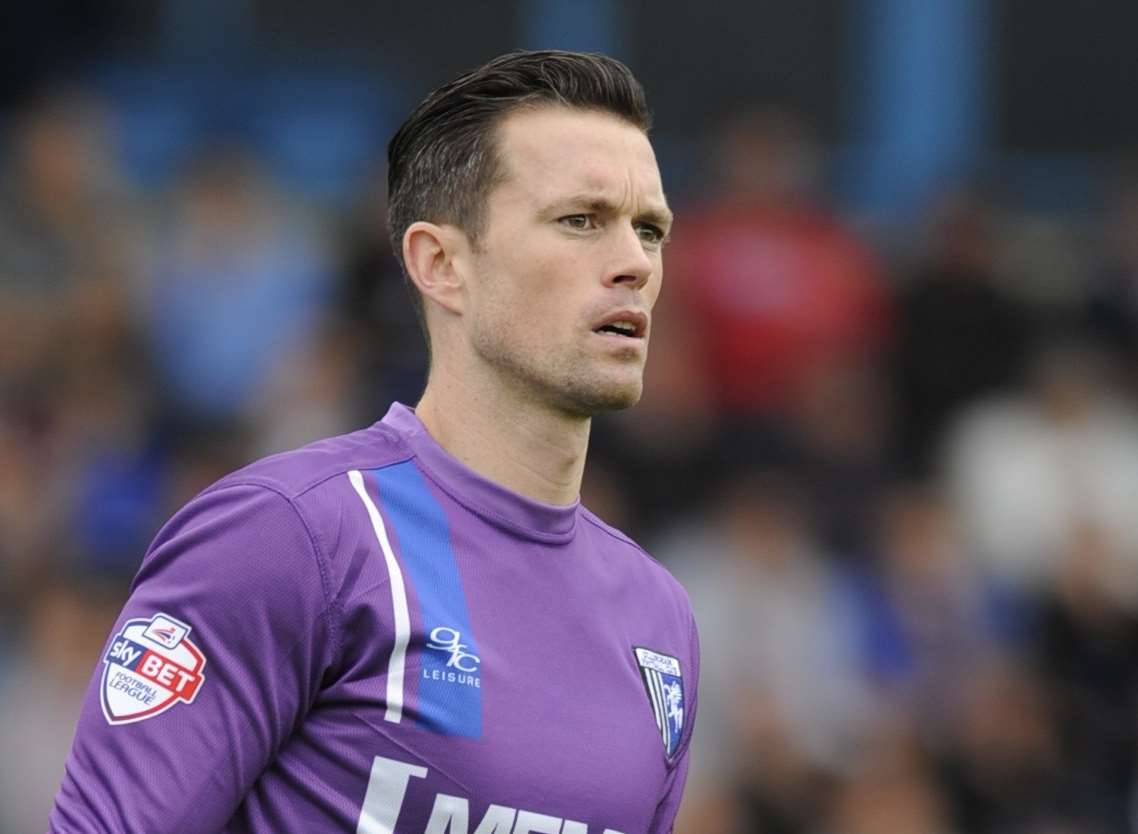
[631, 265]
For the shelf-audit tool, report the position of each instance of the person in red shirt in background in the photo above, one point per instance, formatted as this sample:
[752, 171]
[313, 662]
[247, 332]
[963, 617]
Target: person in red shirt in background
[775, 287]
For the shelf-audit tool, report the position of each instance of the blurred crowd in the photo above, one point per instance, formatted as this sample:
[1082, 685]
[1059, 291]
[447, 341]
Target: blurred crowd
[893, 464]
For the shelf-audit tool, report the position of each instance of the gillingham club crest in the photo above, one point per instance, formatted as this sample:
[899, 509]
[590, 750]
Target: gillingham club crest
[151, 666]
[665, 686]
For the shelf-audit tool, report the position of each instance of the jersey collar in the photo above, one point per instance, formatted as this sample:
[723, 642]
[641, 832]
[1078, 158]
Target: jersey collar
[494, 502]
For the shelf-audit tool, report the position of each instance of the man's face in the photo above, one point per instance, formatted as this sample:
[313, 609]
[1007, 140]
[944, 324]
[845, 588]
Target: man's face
[569, 264]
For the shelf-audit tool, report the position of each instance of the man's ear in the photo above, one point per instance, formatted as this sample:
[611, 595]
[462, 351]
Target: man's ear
[434, 258]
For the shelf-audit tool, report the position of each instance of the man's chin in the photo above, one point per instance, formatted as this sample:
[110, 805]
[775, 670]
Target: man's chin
[588, 401]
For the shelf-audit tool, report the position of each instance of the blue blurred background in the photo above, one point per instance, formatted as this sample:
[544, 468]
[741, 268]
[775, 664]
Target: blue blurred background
[890, 436]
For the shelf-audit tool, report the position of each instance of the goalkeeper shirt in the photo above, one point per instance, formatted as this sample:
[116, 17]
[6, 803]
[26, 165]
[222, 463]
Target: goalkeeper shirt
[364, 635]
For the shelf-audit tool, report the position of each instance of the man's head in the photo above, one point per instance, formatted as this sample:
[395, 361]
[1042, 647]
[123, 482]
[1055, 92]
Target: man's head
[444, 160]
[527, 208]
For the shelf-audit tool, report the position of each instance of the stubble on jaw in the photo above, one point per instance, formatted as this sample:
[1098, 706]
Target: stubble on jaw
[564, 383]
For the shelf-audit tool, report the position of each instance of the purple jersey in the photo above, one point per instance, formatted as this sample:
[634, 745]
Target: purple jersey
[365, 636]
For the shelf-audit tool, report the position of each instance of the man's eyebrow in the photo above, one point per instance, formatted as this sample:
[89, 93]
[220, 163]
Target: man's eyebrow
[661, 216]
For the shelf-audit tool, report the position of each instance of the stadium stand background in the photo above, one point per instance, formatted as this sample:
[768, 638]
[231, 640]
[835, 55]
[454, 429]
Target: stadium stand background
[890, 437]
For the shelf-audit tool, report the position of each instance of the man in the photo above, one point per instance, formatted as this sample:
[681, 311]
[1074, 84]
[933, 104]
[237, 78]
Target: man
[416, 627]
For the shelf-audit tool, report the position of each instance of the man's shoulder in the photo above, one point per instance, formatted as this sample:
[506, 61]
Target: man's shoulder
[297, 471]
[634, 558]
[272, 517]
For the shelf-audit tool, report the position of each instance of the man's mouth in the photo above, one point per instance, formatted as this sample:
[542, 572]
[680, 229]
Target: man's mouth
[627, 324]
[620, 328]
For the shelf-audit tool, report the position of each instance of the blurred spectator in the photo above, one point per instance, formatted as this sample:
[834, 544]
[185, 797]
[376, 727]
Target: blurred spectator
[1026, 470]
[894, 790]
[773, 284]
[785, 703]
[112, 469]
[64, 244]
[1088, 648]
[309, 396]
[1002, 766]
[28, 499]
[64, 624]
[780, 789]
[959, 337]
[238, 283]
[837, 440]
[932, 616]
[67, 342]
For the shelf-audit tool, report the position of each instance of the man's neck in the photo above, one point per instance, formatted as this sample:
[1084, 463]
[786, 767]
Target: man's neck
[537, 452]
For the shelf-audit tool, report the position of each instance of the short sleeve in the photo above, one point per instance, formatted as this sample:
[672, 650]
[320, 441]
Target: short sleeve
[215, 658]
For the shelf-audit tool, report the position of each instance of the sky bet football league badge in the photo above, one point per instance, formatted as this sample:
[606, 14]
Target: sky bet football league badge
[665, 687]
[150, 666]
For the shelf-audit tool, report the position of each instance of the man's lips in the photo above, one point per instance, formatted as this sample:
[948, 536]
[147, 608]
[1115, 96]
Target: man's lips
[629, 324]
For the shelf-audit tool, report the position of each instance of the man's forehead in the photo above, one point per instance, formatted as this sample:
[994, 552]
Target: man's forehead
[558, 149]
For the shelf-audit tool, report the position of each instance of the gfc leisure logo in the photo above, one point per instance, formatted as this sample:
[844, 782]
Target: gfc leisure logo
[461, 665]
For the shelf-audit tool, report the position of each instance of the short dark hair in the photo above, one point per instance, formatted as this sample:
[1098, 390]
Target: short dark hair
[443, 161]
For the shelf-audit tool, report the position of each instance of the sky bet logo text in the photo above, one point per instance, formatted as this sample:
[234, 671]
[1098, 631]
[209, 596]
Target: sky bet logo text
[150, 666]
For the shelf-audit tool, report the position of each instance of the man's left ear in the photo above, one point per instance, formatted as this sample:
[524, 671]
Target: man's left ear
[437, 259]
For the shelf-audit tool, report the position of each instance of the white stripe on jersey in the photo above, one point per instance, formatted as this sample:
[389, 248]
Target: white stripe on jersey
[398, 601]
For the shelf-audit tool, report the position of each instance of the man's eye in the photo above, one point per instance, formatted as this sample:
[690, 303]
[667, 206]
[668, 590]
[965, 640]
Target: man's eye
[580, 222]
[650, 233]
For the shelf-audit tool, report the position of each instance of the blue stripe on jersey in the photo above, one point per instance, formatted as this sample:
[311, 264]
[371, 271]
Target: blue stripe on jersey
[450, 702]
